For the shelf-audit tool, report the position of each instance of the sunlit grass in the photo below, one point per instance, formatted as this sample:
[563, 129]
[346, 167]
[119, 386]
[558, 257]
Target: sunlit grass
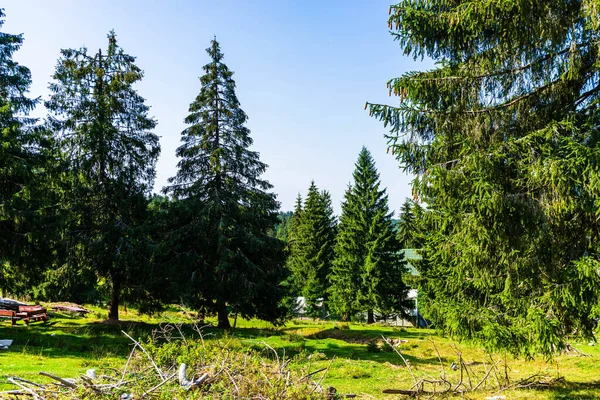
[68, 346]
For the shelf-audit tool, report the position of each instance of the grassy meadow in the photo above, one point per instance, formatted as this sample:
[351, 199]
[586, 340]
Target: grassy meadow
[358, 362]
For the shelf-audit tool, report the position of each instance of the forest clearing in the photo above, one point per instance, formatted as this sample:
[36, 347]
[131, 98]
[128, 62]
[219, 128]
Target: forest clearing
[343, 354]
[138, 171]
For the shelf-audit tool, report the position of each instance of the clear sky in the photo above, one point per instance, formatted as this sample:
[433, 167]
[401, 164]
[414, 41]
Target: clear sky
[304, 70]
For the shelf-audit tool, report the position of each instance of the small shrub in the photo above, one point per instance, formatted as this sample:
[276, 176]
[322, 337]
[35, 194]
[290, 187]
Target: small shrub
[360, 373]
[293, 338]
[373, 347]
[407, 346]
[332, 346]
[387, 347]
[101, 315]
[316, 356]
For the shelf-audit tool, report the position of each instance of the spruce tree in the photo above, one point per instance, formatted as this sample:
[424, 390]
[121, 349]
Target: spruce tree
[295, 222]
[25, 237]
[282, 229]
[367, 269]
[311, 249]
[235, 264]
[293, 283]
[347, 264]
[291, 287]
[410, 230]
[15, 171]
[503, 137]
[105, 133]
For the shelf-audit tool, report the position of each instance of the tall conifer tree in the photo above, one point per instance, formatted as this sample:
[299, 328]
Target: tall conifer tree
[282, 229]
[410, 229]
[15, 170]
[25, 242]
[311, 249]
[236, 264]
[293, 253]
[104, 131]
[367, 270]
[296, 221]
[346, 268]
[504, 137]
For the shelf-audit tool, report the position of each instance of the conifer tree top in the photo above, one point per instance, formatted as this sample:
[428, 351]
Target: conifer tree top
[215, 146]
[15, 79]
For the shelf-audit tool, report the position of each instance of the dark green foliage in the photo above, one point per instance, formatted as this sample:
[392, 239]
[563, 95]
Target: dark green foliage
[373, 347]
[345, 276]
[283, 227]
[295, 223]
[15, 158]
[367, 270]
[156, 284]
[292, 288]
[312, 238]
[26, 209]
[410, 228]
[104, 132]
[504, 136]
[226, 209]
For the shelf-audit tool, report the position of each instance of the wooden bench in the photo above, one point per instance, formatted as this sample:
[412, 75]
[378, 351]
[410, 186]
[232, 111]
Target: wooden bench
[25, 313]
[32, 314]
[9, 314]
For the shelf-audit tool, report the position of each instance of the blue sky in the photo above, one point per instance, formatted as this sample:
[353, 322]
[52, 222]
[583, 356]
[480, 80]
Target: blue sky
[304, 70]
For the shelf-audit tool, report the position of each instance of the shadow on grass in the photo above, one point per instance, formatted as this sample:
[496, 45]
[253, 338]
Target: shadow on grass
[570, 390]
[64, 336]
[363, 336]
[356, 352]
[61, 337]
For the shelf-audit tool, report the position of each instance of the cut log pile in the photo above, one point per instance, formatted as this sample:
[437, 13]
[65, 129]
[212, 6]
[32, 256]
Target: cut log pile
[71, 308]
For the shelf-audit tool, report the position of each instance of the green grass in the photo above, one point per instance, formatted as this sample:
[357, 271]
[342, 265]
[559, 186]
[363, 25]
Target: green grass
[68, 346]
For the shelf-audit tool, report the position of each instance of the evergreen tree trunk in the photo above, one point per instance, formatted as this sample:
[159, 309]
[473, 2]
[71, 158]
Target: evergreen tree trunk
[370, 317]
[113, 306]
[222, 315]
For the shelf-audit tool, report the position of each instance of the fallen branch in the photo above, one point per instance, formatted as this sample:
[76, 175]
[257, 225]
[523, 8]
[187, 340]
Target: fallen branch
[486, 375]
[127, 363]
[146, 393]
[158, 371]
[15, 393]
[59, 379]
[403, 359]
[27, 389]
[318, 384]
[314, 372]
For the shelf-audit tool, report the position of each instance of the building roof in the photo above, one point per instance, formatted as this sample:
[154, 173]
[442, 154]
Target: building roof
[411, 255]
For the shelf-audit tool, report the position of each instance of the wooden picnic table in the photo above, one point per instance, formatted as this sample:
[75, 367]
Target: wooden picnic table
[26, 314]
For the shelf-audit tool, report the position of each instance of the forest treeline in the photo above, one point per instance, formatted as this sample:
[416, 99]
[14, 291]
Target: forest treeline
[79, 223]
